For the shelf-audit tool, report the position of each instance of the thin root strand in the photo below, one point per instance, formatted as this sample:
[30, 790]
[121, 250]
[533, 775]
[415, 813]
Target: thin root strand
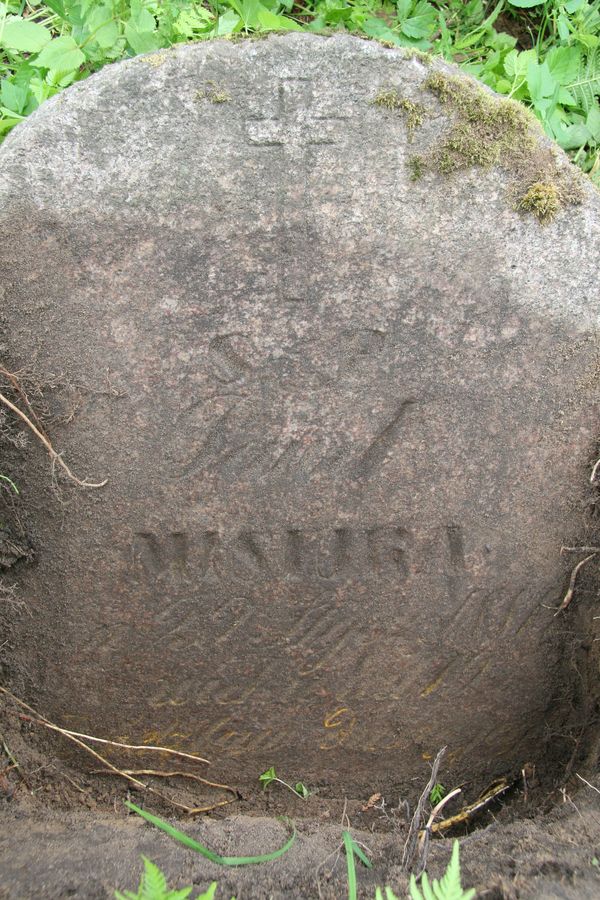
[54, 456]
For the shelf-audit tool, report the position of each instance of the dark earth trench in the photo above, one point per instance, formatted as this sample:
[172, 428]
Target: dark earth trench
[66, 832]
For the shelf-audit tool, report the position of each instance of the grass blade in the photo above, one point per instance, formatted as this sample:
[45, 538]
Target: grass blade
[350, 865]
[352, 848]
[11, 483]
[204, 851]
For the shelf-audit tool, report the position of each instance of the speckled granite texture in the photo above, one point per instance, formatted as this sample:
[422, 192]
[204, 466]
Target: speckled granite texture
[347, 419]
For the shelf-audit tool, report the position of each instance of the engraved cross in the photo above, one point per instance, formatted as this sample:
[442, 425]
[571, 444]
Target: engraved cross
[294, 129]
[296, 126]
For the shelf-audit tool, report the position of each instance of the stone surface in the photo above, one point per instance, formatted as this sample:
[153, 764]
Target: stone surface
[346, 419]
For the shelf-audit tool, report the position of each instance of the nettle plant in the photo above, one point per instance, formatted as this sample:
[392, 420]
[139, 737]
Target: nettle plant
[552, 65]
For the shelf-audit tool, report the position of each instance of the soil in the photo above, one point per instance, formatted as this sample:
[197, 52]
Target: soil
[517, 27]
[66, 833]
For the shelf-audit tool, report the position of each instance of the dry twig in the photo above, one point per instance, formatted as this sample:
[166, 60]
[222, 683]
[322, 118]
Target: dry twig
[412, 841]
[425, 835]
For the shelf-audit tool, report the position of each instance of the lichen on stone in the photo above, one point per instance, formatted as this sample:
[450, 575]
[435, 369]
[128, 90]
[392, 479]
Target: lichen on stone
[391, 99]
[155, 59]
[486, 131]
[213, 93]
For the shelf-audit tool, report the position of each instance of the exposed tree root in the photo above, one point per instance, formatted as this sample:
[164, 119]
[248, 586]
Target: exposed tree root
[128, 774]
[571, 589]
[33, 423]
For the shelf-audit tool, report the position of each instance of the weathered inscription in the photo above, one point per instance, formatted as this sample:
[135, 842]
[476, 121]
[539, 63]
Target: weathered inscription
[324, 553]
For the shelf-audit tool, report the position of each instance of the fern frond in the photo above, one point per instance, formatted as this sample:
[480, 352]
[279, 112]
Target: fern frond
[587, 85]
[447, 888]
[208, 894]
[154, 885]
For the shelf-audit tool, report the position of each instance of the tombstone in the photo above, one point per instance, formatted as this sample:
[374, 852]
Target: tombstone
[346, 418]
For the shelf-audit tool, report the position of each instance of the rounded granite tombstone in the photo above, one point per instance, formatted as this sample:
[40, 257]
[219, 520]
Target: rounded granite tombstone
[345, 415]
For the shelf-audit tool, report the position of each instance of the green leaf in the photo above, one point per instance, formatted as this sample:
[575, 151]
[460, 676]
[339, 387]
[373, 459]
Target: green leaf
[268, 777]
[61, 55]
[540, 81]
[24, 35]
[248, 11]
[438, 793]
[57, 6]
[141, 41]
[204, 851]
[449, 885]
[153, 886]
[191, 22]
[526, 4]
[351, 868]
[14, 97]
[271, 22]
[301, 790]
[571, 137]
[101, 27]
[593, 122]
[228, 23]
[515, 63]
[422, 21]
[586, 84]
[376, 28]
[448, 888]
[140, 31]
[141, 18]
[562, 25]
[564, 63]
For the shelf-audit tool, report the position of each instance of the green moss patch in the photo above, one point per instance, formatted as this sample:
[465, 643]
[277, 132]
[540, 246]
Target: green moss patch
[542, 199]
[413, 113]
[489, 131]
